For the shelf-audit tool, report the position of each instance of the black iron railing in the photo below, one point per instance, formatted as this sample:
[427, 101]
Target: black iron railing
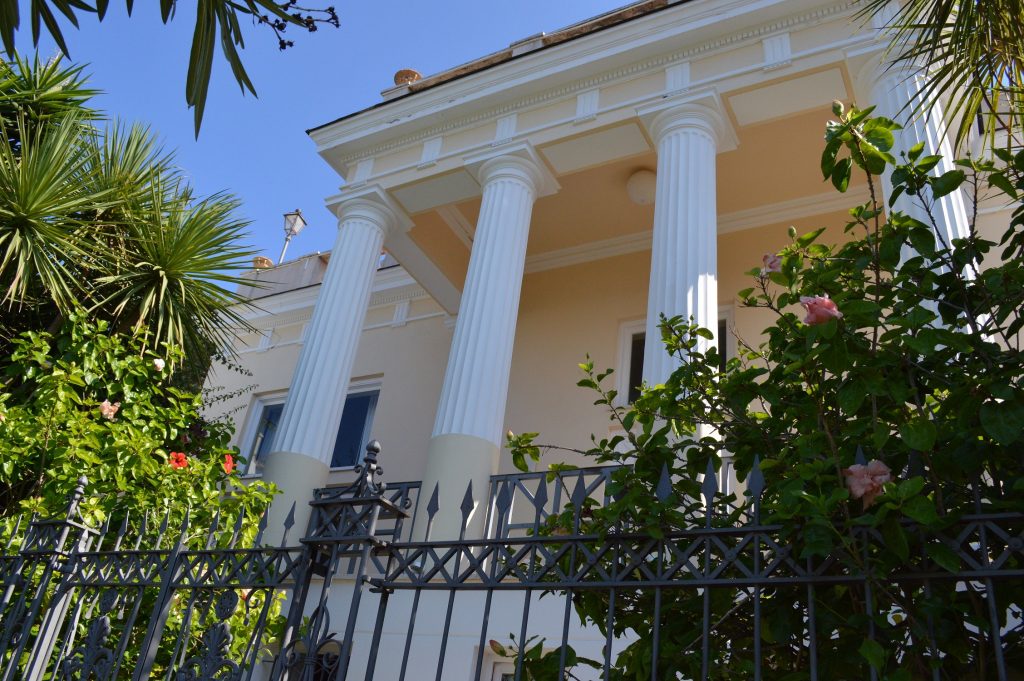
[170, 602]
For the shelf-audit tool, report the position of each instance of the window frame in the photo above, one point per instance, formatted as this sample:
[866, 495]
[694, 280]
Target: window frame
[252, 424]
[269, 399]
[627, 330]
[631, 327]
[361, 388]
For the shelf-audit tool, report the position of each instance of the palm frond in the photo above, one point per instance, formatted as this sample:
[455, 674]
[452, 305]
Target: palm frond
[42, 200]
[181, 258]
[972, 54]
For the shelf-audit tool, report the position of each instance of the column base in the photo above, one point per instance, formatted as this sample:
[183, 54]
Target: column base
[454, 460]
[296, 476]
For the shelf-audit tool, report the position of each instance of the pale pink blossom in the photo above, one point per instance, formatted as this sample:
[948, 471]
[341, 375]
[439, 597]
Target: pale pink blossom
[158, 364]
[865, 482]
[771, 263]
[108, 410]
[820, 309]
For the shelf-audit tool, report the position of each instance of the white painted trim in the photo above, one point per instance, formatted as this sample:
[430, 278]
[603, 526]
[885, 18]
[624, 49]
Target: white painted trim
[593, 250]
[774, 213]
[631, 327]
[728, 313]
[677, 76]
[661, 27]
[807, 60]
[793, 209]
[587, 103]
[260, 402]
[777, 51]
[627, 330]
[431, 150]
[401, 316]
[359, 387]
[427, 273]
[458, 223]
[252, 418]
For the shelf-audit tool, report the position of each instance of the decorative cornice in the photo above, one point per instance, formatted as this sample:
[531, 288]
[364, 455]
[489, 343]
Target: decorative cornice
[753, 218]
[651, 64]
[793, 209]
[588, 252]
[372, 202]
[700, 109]
[518, 160]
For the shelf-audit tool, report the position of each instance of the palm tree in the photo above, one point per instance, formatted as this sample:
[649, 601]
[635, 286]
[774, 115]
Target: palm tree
[972, 53]
[101, 219]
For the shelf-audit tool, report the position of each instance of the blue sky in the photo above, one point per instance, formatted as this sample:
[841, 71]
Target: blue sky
[257, 148]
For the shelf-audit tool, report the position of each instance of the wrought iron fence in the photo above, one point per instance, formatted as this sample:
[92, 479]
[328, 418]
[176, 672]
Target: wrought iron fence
[701, 602]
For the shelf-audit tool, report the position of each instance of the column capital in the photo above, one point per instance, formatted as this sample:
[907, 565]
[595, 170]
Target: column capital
[702, 111]
[519, 161]
[875, 71]
[373, 204]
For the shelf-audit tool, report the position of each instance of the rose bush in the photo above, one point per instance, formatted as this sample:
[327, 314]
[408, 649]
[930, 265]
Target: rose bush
[908, 353]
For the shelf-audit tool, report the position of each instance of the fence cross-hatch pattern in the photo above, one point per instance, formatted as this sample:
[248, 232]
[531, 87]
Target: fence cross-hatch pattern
[370, 591]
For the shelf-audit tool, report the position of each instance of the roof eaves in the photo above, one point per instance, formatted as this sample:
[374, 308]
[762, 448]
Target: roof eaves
[573, 32]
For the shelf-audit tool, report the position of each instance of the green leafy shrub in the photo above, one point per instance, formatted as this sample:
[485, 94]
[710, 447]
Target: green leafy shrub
[892, 344]
[91, 403]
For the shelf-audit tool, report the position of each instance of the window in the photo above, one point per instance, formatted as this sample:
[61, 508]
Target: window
[267, 411]
[353, 431]
[631, 339]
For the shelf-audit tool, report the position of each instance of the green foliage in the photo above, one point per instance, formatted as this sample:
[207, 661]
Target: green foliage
[907, 349]
[90, 403]
[102, 220]
[971, 55]
[53, 430]
[540, 665]
[217, 21]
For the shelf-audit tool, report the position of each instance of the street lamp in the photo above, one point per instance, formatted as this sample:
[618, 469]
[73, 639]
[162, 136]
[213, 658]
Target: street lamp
[293, 224]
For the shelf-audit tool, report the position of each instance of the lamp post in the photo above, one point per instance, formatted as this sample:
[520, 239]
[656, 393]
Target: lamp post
[293, 224]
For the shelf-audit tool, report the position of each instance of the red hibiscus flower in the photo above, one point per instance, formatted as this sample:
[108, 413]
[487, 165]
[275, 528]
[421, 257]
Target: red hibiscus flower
[229, 464]
[178, 460]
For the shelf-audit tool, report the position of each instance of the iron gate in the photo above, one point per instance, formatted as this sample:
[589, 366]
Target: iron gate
[85, 603]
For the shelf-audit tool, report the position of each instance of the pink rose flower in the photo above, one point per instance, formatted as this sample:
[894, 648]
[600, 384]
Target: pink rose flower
[108, 410]
[820, 309]
[865, 482]
[158, 364]
[771, 263]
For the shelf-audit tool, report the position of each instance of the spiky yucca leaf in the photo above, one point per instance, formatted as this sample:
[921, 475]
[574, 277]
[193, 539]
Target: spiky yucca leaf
[42, 91]
[43, 197]
[179, 257]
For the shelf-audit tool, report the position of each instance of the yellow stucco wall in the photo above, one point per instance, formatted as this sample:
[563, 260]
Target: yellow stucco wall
[564, 314]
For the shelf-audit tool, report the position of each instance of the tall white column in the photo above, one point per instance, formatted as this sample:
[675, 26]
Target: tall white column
[684, 253]
[301, 455]
[899, 94]
[470, 415]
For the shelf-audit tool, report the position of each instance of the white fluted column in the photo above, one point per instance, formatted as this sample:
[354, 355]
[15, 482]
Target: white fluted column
[470, 415]
[304, 443]
[899, 94]
[684, 252]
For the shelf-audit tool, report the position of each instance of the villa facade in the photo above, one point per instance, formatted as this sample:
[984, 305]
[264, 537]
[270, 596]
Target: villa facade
[538, 205]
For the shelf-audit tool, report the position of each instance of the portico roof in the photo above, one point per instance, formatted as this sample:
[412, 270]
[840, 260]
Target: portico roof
[517, 49]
